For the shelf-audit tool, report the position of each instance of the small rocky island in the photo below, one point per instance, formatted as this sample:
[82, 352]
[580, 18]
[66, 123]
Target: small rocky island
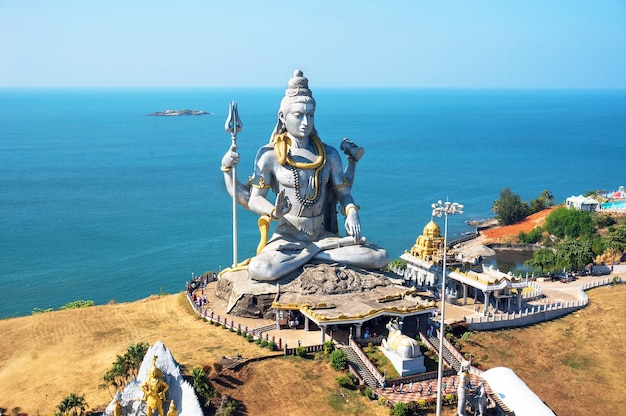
[171, 113]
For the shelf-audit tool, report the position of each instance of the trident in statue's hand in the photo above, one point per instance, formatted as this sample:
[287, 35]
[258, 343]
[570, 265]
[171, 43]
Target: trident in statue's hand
[233, 126]
[233, 122]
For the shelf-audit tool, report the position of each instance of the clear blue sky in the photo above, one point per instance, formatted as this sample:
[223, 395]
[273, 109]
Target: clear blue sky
[412, 43]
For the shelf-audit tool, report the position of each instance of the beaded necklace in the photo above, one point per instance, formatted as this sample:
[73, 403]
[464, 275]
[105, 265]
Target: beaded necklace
[318, 165]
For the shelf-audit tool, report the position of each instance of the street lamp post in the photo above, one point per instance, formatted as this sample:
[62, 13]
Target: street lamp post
[443, 209]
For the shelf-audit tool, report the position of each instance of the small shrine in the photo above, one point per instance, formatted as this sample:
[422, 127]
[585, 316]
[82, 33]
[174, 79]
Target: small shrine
[429, 244]
[403, 351]
[159, 389]
[486, 283]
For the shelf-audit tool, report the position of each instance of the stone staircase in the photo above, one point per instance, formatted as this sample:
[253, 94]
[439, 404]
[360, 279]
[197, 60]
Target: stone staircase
[257, 331]
[448, 357]
[358, 366]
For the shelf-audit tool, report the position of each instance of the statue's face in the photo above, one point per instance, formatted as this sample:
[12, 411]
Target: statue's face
[299, 120]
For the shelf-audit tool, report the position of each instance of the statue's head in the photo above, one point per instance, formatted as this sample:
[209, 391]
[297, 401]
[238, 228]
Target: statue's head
[297, 93]
[465, 367]
[154, 371]
[392, 325]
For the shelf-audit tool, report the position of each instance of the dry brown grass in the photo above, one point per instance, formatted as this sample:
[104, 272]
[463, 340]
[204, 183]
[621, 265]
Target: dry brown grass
[573, 363]
[45, 357]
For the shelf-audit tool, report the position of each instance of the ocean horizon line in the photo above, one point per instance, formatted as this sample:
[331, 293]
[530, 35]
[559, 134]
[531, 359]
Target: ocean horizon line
[122, 88]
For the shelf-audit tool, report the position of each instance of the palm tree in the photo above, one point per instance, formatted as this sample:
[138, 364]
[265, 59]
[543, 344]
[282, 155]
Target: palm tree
[202, 385]
[109, 381]
[72, 405]
[125, 367]
[134, 357]
[547, 197]
[120, 371]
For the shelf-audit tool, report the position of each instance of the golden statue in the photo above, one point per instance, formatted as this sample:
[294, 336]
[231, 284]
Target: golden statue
[172, 410]
[118, 408]
[154, 389]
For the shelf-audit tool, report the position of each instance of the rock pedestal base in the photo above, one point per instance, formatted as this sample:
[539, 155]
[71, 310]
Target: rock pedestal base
[334, 292]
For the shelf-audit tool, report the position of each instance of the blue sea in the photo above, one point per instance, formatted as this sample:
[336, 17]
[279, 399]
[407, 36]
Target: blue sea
[100, 201]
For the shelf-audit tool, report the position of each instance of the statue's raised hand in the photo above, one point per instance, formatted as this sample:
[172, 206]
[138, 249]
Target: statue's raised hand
[282, 205]
[231, 157]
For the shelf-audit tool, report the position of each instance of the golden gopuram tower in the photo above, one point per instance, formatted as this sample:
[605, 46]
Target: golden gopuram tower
[429, 245]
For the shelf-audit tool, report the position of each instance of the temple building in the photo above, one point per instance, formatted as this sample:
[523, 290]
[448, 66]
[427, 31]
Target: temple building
[501, 290]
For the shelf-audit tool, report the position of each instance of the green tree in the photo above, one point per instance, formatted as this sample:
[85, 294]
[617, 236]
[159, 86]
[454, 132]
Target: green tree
[122, 368]
[401, 409]
[576, 253]
[134, 357]
[396, 263]
[615, 242]
[116, 376]
[72, 405]
[202, 385]
[543, 259]
[109, 381]
[547, 197]
[77, 304]
[531, 237]
[329, 346]
[618, 234]
[543, 201]
[564, 222]
[338, 359]
[510, 208]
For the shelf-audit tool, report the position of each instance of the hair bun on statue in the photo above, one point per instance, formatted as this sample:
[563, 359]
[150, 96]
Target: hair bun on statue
[298, 85]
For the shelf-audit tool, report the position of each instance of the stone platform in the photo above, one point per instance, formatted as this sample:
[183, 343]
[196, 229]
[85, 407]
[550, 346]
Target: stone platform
[324, 292]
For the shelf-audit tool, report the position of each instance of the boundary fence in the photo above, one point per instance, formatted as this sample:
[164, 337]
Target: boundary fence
[535, 314]
[256, 333]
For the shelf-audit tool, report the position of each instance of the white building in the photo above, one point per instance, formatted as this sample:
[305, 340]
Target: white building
[582, 203]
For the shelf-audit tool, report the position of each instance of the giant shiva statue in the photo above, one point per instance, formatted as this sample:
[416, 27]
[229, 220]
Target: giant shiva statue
[307, 179]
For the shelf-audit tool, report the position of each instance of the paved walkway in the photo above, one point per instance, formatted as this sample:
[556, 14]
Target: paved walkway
[290, 336]
[409, 396]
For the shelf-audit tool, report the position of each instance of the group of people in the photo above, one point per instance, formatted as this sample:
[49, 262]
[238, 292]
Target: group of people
[292, 319]
[430, 330]
[369, 334]
[200, 300]
[420, 389]
[200, 282]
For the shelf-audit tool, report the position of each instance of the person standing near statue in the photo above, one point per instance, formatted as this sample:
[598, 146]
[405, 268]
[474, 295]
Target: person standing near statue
[308, 181]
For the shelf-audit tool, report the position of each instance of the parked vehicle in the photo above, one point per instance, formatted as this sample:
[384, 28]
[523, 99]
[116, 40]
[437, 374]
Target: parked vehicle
[566, 277]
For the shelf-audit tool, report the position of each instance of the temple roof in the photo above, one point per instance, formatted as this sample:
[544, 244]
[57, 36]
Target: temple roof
[431, 229]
